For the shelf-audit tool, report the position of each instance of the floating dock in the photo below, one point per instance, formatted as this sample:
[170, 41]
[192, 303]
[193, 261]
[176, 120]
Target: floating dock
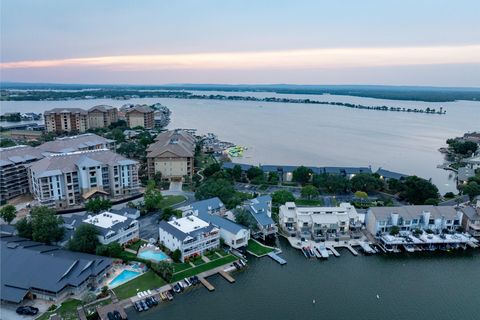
[227, 277]
[335, 252]
[366, 247]
[276, 258]
[207, 284]
[353, 251]
[323, 252]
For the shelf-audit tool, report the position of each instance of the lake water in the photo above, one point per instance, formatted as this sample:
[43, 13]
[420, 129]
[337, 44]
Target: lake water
[441, 286]
[316, 135]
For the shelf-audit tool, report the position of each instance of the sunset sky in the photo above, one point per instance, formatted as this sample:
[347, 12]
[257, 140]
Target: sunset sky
[405, 42]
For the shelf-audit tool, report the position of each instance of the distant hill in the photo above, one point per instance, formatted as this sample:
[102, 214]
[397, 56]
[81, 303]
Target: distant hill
[416, 93]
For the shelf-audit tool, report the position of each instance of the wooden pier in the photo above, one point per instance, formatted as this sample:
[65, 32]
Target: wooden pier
[276, 258]
[207, 284]
[227, 277]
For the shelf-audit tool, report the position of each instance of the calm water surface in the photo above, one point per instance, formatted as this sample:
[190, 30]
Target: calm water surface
[422, 286]
[317, 135]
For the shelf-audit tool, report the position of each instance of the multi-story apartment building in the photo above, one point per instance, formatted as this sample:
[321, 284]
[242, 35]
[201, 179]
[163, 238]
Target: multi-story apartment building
[140, 116]
[13, 171]
[62, 120]
[81, 142]
[67, 179]
[102, 116]
[380, 220]
[212, 210]
[191, 235]
[111, 227]
[261, 210]
[66, 120]
[319, 223]
[172, 154]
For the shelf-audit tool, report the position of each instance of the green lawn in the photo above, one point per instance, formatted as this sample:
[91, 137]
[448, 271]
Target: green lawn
[204, 267]
[67, 311]
[257, 248]
[169, 201]
[146, 281]
[134, 246]
[179, 266]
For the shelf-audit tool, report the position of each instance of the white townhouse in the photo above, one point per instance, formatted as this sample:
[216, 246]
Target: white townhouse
[191, 235]
[111, 227]
[318, 223]
[408, 218]
[212, 210]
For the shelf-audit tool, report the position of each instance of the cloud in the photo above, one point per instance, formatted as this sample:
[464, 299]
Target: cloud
[286, 59]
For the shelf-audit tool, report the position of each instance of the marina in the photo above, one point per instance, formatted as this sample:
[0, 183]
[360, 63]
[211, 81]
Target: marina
[362, 278]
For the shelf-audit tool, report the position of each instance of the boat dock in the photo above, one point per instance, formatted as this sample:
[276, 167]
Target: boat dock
[366, 247]
[353, 251]
[276, 258]
[323, 252]
[207, 284]
[227, 277]
[335, 252]
[472, 244]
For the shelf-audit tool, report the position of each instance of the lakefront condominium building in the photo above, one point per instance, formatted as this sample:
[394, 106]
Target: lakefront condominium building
[68, 179]
[408, 218]
[140, 116]
[13, 171]
[61, 120]
[102, 116]
[172, 154]
[81, 142]
[318, 223]
[190, 235]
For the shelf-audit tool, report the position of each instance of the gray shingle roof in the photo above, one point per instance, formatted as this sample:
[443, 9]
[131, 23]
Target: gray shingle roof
[221, 223]
[55, 164]
[259, 207]
[177, 142]
[74, 143]
[66, 110]
[23, 268]
[390, 174]
[18, 154]
[414, 212]
[204, 206]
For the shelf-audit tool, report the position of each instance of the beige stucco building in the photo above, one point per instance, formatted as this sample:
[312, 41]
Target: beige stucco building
[140, 116]
[102, 116]
[172, 154]
[66, 120]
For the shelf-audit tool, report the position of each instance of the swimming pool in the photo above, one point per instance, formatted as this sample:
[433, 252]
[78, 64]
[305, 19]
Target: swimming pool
[122, 277]
[152, 255]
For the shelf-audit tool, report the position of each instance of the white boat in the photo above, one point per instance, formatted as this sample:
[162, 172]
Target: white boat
[323, 252]
[409, 247]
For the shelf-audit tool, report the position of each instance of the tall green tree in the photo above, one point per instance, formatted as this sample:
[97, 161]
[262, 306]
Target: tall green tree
[237, 172]
[169, 212]
[309, 192]
[46, 226]
[152, 197]
[302, 175]
[8, 213]
[221, 188]
[85, 239]
[113, 249]
[472, 189]
[164, 269]
[331, 183]
[254, 172]
[24, 228]
[97, 205]
[281, 196]
[417, 190]
[366, 182]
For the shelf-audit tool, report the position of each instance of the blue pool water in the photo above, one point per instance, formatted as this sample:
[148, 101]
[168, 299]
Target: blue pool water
[124, 276]
[152, 255]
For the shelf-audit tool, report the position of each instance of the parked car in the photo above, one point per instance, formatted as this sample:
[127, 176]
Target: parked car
[27, 310]
[117, 315]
